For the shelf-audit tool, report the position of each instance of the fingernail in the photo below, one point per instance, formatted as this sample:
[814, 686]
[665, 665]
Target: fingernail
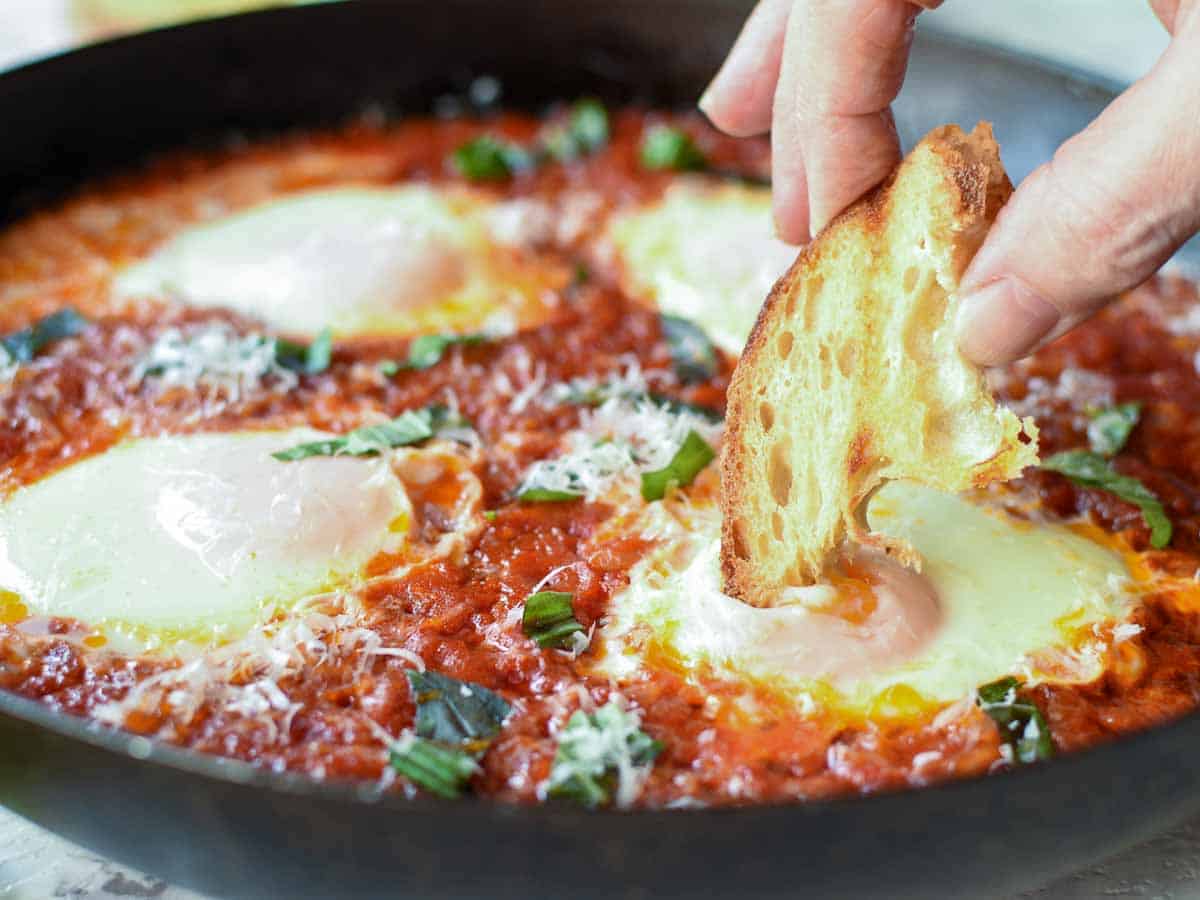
[705, 100]
[1003, 321]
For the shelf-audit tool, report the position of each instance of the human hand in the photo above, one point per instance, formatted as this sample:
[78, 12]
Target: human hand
[1105, 213]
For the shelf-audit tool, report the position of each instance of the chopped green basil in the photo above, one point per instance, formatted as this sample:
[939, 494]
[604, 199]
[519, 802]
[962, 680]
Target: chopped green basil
[428, 349]
[440, 770]
[490, 514]
[664, 147]
[1092, 470]
[22, 346]
[1110, 428]
[585, 131]
[412, 427]
[689, 460]
[597, 750]
[489, 159]
[310, 359]
[455, 723]
[550, 619]
[693, 354]
[589, 124]
[546, 495]
[456, 712]
[389, 367]
[1020, 722]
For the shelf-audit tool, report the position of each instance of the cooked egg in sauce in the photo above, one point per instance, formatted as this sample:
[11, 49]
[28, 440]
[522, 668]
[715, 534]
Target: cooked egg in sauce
[162, 571]
[191, 537]
[998, 589]
[361, 260]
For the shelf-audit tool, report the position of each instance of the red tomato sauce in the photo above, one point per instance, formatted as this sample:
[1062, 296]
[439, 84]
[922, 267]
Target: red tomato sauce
[724, 742]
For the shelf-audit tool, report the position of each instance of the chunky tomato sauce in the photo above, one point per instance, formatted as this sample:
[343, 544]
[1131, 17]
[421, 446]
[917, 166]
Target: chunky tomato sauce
[723, 741]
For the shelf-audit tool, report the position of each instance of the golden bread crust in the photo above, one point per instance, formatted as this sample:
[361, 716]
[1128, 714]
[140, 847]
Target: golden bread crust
[852, 376]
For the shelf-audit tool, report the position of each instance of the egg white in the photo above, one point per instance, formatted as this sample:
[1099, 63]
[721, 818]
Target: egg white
[359, 260]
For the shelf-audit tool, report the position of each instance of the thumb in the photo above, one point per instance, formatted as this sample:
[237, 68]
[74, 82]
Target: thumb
[1112, 206]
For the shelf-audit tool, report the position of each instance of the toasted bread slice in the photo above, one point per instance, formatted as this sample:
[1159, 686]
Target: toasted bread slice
[852, 376]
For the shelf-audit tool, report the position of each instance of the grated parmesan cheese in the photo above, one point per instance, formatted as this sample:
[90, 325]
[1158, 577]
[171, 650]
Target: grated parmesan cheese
[606, 740]
[215, 356]
[243, 678]
[627, 434]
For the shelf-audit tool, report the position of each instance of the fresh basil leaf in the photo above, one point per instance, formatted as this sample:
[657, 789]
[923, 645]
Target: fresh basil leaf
[550, 619]
[664, 147]
[693, 354]
[428, 349]
[689, 460]
[546, 495]
[440, 770]
[320, 352]
[585, 132]
[306, 359]
[489, 159]
[22, 346]
[389, 367]
[411, 427]
[1021, 723]
[1092, 470]
[595, 750]
[456, 712]
[589, 124]
[1110, 428]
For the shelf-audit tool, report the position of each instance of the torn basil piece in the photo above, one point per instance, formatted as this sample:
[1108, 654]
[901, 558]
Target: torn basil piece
[1109, 429]
[310, 359]
[411, 427]
[549, 618]
[689, 460]
[489, 159]
[1092, 470]
[454, 712]
[443, 771]
[22, 346]
[693, 354]
[428, 349]
[455, 723]
[585, 132]
[546, 495]
[1021, 723]
[601, 753]
[668, 148]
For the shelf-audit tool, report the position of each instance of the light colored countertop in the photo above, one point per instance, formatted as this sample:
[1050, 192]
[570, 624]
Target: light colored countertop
[1116, 39]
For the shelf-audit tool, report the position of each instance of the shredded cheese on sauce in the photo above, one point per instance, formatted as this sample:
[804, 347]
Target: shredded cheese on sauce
[627, 434]
[243, 678]
[215, 357]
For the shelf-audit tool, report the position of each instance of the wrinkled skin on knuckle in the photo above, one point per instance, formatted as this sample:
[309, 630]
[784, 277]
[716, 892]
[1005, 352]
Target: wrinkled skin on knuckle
[1114, 235]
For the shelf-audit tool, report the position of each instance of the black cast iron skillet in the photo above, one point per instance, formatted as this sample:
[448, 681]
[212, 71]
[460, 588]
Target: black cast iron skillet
[230, 830]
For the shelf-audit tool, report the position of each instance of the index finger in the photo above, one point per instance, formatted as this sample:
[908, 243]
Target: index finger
[833, 137]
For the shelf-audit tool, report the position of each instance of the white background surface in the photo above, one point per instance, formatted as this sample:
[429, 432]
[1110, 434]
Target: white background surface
[1118, 39]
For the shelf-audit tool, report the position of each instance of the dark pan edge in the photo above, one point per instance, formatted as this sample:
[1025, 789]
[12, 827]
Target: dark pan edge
[1148, 774]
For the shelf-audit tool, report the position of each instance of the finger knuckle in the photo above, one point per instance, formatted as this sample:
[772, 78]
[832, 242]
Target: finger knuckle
[1114, 234]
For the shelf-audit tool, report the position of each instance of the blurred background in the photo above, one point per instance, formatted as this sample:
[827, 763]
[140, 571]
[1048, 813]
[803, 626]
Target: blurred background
[1116, 39]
